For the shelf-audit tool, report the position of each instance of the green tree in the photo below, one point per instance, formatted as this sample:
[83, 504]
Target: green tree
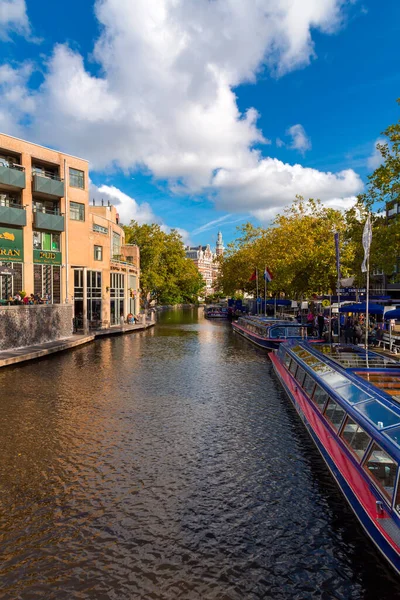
[167, 276]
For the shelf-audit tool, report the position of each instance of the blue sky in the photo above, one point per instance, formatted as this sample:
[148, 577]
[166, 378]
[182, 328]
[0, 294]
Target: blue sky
[155, 94]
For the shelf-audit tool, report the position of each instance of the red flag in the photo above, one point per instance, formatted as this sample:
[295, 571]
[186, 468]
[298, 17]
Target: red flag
[254, 276]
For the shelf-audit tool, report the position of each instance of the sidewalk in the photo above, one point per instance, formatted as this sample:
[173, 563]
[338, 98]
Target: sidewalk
[18, 355]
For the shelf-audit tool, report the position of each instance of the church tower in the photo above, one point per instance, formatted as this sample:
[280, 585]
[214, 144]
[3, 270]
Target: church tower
[220, 245]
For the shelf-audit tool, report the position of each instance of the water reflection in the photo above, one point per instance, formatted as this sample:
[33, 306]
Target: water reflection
[169, 464]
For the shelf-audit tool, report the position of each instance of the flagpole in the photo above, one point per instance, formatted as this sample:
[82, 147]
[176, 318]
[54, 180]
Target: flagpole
[367, 309]
[265, 291]
[257, 290]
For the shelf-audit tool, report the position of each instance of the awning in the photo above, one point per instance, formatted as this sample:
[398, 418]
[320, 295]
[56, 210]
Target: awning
[373, 309]
[279, 302]
[393, 314]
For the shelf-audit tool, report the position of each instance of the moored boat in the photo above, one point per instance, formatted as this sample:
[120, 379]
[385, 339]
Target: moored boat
[349, 401]
[269, 333]
[216, 312]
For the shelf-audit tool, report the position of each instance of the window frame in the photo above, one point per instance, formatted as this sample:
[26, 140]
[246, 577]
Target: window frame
[96, 248]
[348, 444]
[78, 174]
[81, 207]
[371, 448]
[329, 419]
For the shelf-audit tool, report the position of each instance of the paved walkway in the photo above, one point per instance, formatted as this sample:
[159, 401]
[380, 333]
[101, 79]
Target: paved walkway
[18, 355]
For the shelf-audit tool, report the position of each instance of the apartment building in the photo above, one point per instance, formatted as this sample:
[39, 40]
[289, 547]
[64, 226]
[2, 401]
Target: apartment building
[206, 262]
[53, 243]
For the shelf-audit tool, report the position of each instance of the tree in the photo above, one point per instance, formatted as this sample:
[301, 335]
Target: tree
[298, 248]
[167, 276]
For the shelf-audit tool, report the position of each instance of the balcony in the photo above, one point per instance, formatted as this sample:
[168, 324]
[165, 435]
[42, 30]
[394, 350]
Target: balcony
[51, 220]
[47, 183]
[12, 214]
[12, 175]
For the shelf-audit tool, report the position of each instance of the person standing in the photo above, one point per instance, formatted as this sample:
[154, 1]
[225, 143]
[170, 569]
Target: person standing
[320, 325]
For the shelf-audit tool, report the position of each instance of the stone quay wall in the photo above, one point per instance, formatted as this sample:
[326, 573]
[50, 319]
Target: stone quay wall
[22, 325]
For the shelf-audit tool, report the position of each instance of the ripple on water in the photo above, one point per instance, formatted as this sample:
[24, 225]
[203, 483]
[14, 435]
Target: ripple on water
[165, 465]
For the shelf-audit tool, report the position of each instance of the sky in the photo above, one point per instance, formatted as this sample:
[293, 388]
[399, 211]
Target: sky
[200, 115]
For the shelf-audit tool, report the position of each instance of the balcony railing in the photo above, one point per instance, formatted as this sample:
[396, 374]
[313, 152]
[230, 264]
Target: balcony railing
[46, 182]
[12, 174]
[12, 213]
[117, 258]
[49, 219]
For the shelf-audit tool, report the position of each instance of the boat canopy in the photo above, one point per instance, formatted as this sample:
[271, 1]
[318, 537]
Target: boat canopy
[373, 309]
[393, 314]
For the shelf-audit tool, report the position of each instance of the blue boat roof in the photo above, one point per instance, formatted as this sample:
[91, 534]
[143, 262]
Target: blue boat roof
[367, 382]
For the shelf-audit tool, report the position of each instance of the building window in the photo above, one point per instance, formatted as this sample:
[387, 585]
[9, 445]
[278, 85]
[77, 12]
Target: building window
[98, 253]
[47, 282]
[76, 178]
[117, 294]
[46, 241]
[116, 244]
[100, 229]
[77, 211]
[93, 280]
[9, 286]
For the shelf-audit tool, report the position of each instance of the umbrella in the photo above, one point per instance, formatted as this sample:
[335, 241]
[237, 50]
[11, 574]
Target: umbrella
[393, 314]
[373, 309]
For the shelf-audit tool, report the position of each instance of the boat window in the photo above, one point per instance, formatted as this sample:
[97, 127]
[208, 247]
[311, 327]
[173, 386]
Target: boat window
[378, 414]
[397, 503]
[287, 359]
[320, 397]
[293, 367]
[334, 379]
[277, 332]
[300, 375]
[382, 469]
[394, 435]
[308, 385]
[334, 413]
[293, 332]
[355, 437]
[352, 393]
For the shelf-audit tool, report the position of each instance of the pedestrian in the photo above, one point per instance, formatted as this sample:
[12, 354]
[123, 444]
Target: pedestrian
[357, 333]
[348, 330]
[320, 325]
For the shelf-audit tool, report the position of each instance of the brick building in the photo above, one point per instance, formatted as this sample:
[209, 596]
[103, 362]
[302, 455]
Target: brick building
[54, 243]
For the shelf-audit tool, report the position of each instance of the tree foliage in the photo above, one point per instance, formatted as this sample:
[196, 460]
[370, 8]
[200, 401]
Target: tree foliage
[167, 276]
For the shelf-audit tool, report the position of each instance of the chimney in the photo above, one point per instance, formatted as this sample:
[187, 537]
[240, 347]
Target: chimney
[94, 202]
[102, 202]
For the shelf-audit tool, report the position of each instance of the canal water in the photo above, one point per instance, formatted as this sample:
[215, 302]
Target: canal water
[169, 464]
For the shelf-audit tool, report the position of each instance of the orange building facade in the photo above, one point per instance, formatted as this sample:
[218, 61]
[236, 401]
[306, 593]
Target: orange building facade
[57, 246]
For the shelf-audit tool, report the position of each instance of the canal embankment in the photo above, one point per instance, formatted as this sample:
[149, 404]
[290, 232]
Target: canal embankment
[13, 356]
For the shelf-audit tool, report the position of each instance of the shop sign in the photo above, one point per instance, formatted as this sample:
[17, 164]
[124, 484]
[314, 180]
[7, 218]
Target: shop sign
[11, 245]
[46, 257]
[6, 271]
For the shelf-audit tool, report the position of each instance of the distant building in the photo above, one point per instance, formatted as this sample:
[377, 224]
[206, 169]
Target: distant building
[205, 260]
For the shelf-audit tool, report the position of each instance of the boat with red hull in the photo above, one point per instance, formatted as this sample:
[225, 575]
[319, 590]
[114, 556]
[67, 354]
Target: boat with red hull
[349, 401]
[270, 333]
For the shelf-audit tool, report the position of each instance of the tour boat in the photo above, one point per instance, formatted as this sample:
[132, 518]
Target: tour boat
[267, 332]
[216, 312]
[349, 401]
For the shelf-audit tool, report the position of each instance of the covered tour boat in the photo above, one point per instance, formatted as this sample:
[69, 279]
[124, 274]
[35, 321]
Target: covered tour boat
[216, 312]
[349, 401]
[269, 333]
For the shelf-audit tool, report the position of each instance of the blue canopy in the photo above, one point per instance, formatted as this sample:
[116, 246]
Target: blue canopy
[373, 309]
[393, 314]
[279, 302]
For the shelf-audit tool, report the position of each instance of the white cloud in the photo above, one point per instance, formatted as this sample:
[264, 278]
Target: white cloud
[129, 209]
[272, 184]
[375, 160]
[13, 18]
[300, 141]
[164, 100]
[280, 143]
[17, 102]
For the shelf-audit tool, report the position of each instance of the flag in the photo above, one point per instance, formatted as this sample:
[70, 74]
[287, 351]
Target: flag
[366, 240]
[267, 274]
[253, 276]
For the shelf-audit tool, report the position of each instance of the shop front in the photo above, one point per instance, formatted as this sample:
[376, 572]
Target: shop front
[11, 262]
[47, 274]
